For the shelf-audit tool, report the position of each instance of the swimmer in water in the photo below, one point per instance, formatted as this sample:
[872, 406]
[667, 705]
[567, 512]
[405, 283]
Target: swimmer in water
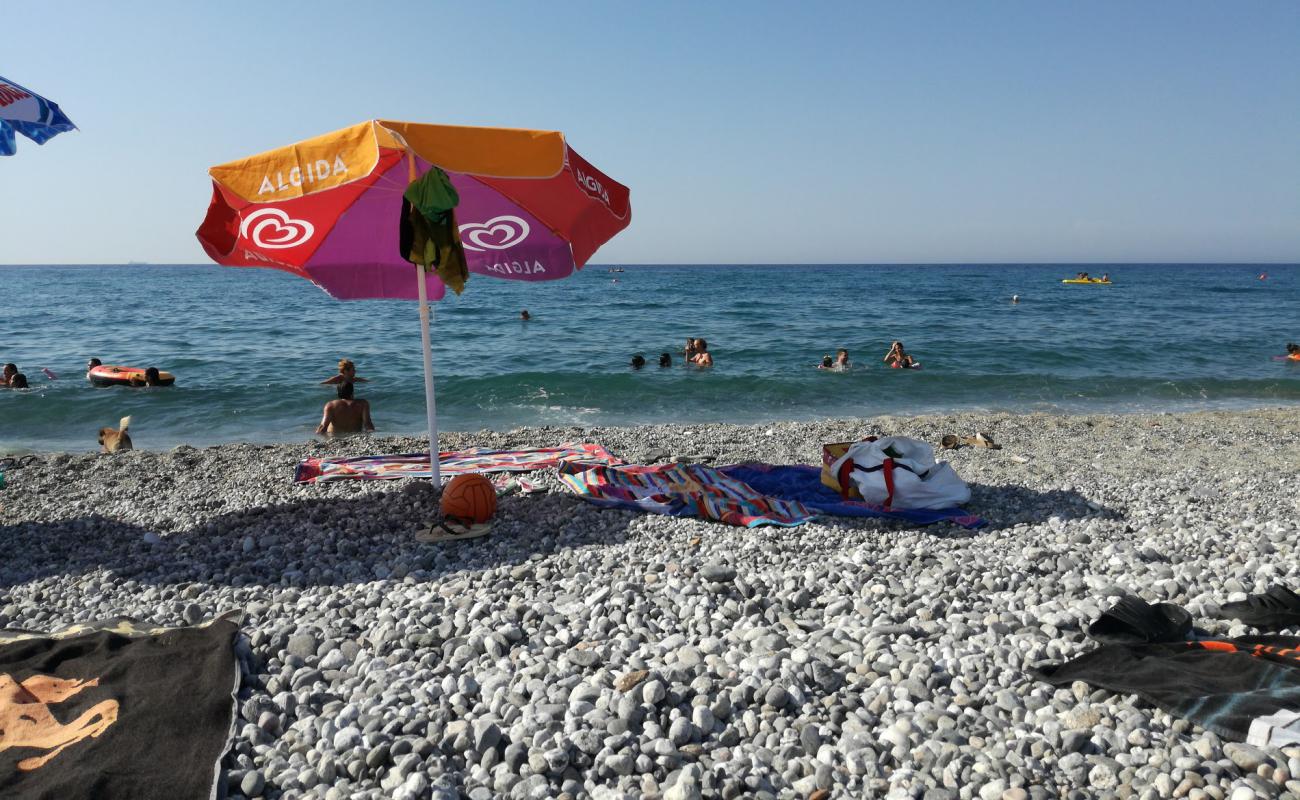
[524, 316]
[1015, 298]
[7, 376]
[346, 414]
[665, 360]
[347, 374]
[898, 358]
[1293, 352]
[841, 359]
[638, 361]
[702, 357]
[827, 363]
[18, 381]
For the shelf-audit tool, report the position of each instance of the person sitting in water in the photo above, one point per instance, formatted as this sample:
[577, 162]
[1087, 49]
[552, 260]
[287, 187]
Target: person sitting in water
[524, 316]
[638, 361]
[345, 415]
[347, 374]
[1105, 277]
[702, 357]
[898, 358]
[841, 359]
[18, 381]
[7, 376]
[665, 360]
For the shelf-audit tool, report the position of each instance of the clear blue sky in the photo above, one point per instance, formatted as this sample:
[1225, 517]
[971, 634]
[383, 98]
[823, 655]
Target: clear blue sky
[748, 132]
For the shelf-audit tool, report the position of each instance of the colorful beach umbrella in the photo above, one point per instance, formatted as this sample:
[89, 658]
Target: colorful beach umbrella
[337, 210]
[26, 112]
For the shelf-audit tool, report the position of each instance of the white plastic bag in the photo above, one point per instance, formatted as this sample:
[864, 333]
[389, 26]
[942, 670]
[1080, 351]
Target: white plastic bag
[898, 472]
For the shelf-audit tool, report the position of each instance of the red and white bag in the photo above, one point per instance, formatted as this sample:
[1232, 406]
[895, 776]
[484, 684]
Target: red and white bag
[898, 472]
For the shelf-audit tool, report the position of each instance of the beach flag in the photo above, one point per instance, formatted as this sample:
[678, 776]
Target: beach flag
[26, 112]
[116, 709]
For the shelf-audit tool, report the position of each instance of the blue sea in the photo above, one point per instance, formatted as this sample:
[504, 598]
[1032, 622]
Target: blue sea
[249, 346]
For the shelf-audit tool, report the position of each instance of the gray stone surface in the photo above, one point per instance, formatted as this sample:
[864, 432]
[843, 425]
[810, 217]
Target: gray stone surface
[585, 652]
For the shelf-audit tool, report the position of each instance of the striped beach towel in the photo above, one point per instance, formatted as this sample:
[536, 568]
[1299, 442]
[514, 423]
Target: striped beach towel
[451, 463]
[680, 490]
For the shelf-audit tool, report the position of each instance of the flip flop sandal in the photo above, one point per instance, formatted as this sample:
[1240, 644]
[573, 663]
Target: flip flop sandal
[1134, 621]
[452, 531]
[1278, 607]
[14, 462]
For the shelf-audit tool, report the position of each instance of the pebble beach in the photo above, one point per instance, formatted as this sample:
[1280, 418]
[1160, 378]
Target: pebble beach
[579, 652]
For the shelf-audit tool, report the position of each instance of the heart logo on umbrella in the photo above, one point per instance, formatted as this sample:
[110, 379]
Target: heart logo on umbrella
[497, 233]
[272, 229]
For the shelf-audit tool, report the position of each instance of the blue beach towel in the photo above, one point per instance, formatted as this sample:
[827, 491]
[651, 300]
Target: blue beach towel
[802, 484]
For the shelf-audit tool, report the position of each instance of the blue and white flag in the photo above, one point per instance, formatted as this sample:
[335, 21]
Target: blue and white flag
[28, 113]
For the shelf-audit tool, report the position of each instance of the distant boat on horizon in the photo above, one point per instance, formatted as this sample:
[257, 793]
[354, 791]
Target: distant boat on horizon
[137, 263]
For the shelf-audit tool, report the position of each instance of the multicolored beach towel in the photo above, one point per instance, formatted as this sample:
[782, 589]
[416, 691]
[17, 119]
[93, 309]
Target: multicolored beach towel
[451, 463]
[802, 484]
[681, 490]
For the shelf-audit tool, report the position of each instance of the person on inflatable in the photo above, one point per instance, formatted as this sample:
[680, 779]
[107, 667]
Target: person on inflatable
[1293, 352]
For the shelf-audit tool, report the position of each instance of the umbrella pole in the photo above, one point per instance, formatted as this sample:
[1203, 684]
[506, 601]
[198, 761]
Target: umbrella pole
[429, 401]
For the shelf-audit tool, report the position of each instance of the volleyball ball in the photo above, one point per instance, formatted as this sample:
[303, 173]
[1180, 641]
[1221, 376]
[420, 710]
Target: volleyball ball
[470, 499]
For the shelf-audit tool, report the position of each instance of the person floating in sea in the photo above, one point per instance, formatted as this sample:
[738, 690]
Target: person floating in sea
[1293, 352]
[702, 357]
[18, 381]
[665, 360]
[151, 378]
[689, 350]
[347, 374]
[638, 361]
[91, 364]
[524, 316]
[898, 358]
[7, 376]
[841, 359]
[1015, 298]
[346, 414]
[827, 363]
